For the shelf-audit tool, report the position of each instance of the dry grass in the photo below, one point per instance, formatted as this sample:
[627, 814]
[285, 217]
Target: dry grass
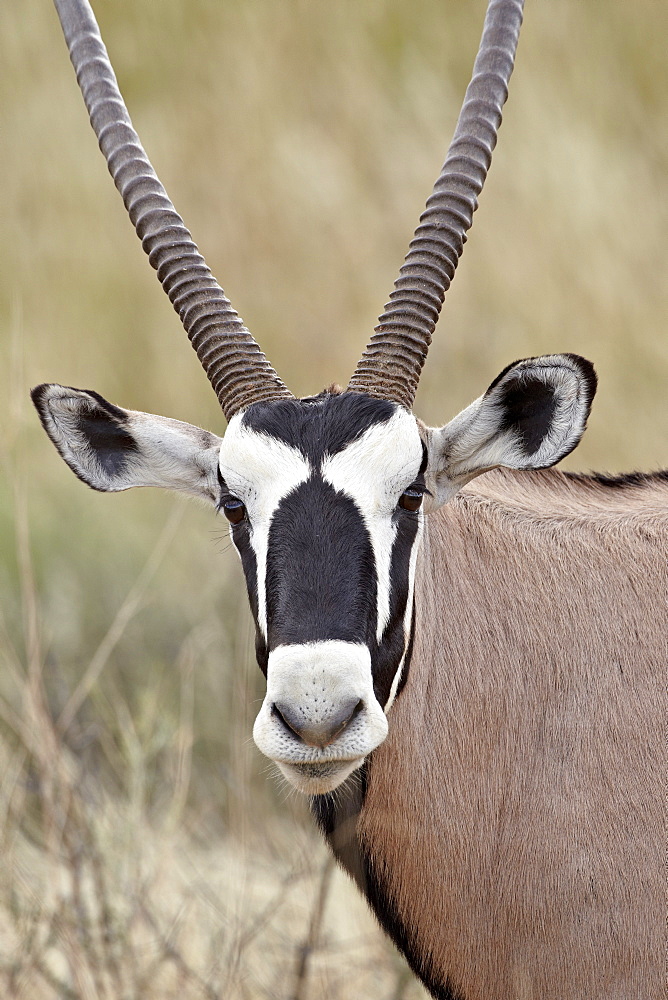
[147, 853]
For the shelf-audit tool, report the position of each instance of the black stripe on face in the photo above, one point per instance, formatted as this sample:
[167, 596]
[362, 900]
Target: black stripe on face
[241, 538]
[321, 577]
[395, 644]
[386, 656]
[408, 655]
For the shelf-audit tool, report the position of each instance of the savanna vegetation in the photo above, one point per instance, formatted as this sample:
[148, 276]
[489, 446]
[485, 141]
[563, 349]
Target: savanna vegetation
[147, 850]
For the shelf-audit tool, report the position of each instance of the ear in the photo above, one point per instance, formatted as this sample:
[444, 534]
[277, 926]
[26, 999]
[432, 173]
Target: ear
[533, 414]
[112, 449]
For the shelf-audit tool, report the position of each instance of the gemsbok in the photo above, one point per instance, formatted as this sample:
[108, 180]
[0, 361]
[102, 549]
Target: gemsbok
[504, 818]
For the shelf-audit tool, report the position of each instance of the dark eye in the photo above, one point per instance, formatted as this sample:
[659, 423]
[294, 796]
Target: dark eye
[411, 499]
[233, 510]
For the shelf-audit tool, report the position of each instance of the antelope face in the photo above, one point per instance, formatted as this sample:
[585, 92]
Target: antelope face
[323, 497]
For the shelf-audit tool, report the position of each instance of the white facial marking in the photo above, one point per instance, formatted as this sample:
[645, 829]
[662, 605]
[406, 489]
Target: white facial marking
[373, 471]
[314, 679]
[260, 470]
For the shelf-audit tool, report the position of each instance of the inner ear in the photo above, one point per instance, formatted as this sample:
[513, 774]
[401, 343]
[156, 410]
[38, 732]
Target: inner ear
[528, 408]
[542, 405]
[104, 429]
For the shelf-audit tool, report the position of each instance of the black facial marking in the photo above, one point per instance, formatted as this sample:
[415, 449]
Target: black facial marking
[241, 538]
[321, 578]
[324, 424]
[387, 655]
[406, 665]
[223, 491]
[409, 654]
[423, 464]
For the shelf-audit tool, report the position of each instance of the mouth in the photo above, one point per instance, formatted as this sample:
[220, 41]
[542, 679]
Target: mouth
[319, 777]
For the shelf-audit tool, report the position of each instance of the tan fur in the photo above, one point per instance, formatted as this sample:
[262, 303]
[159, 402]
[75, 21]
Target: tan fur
[514, 809]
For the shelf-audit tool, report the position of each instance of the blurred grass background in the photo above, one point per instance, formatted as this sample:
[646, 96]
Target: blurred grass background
[148, 851]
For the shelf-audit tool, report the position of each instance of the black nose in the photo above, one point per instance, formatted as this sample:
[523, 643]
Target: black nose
[322, 732]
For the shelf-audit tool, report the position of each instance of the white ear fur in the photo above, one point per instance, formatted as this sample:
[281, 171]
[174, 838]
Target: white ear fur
[112, 449]
[532, 415]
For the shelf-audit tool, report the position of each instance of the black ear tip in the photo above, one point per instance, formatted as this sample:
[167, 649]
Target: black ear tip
[588, 375]
[37, 393]
[586, 369]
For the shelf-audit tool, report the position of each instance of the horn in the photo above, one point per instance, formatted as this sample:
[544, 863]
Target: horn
[391, 364]
[236, 367]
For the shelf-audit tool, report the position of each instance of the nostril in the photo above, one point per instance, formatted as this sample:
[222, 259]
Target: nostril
[283, 716]
[322, 732]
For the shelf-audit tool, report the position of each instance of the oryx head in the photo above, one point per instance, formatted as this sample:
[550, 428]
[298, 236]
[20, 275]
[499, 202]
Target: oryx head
[326, 496]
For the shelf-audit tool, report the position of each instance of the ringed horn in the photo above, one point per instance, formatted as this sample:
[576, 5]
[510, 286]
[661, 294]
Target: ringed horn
[392, 362]
[236, 367]
[240, 374]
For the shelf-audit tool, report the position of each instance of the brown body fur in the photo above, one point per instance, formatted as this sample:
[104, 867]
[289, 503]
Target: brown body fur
[513, 814]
